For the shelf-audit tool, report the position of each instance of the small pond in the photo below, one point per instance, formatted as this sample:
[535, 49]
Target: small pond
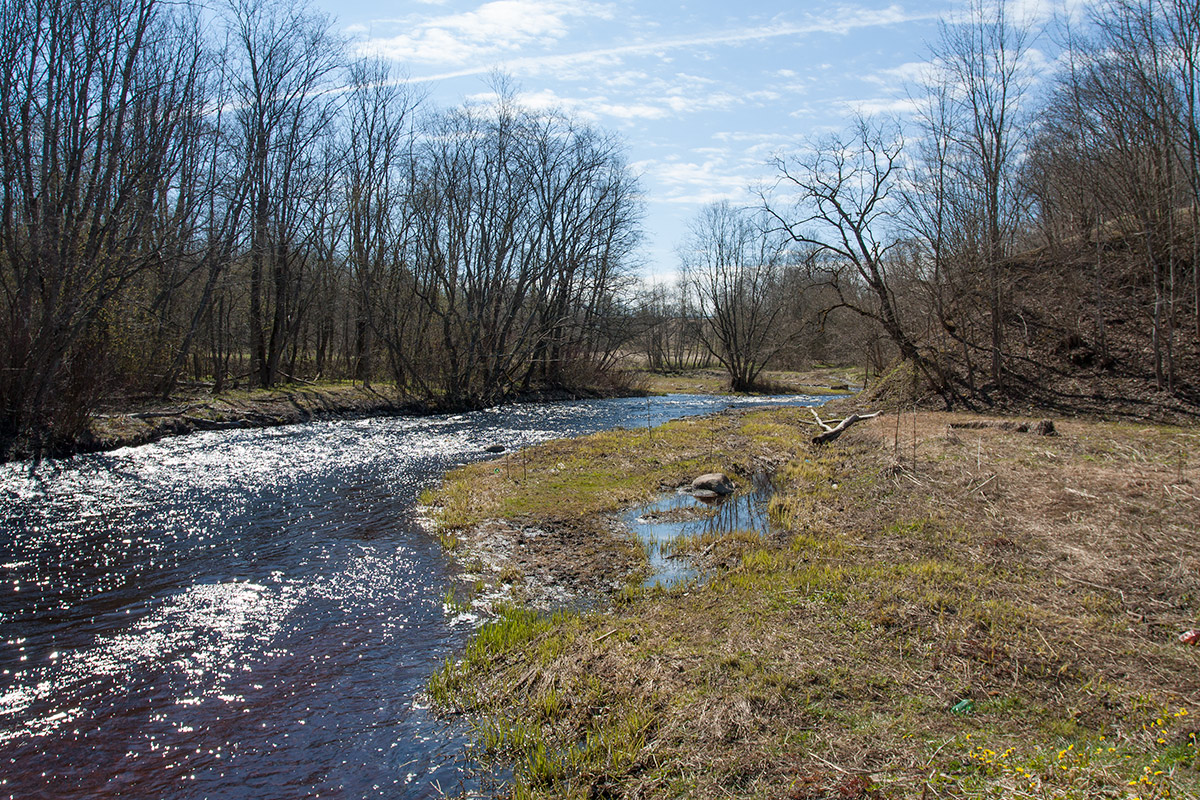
[678, 515]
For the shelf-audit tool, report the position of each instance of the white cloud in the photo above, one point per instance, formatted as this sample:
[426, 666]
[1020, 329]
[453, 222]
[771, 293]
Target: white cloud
[716, 177]
[873, 106]
[838, 22]
[496, 28]
[649, 99]
[629, 111]
[907, 74]
[764, 95]
[757, 148]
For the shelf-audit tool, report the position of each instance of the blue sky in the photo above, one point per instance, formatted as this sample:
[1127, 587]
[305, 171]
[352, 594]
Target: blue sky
[702, 93]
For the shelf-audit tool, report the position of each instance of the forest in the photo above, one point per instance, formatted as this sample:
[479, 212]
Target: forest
[229, 196]
[236, 200]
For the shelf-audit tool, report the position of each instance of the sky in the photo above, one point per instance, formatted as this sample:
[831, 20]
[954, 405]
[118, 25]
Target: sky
[703, 94]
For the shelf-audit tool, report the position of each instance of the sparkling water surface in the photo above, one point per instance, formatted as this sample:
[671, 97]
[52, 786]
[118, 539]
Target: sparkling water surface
[248, 613]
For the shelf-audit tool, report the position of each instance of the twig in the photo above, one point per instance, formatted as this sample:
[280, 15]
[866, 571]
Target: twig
[980, 486]
[1172, 489]
[935, 752]
[829, 764]
[1097, 586]
[294, 379]
[600, 639]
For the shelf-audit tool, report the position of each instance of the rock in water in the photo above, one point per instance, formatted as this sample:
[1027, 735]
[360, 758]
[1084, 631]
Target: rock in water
[494, 448]
[716, 482]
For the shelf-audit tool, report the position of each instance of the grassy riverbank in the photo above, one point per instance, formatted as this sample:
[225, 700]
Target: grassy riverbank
[939, 611]
[818, 380]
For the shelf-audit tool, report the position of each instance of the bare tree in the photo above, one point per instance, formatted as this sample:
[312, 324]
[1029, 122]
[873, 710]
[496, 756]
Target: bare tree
[1114, 161]
[96, 100]
[378, 147]
[840, 200]
[173, 203]
[982, 76]
[285, 54]
[734, 266]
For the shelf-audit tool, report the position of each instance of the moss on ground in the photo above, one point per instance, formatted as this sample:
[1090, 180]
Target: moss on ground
[937, 612]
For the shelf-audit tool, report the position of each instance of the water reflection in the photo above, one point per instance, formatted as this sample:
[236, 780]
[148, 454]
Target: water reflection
[681, 515]
[246, 613]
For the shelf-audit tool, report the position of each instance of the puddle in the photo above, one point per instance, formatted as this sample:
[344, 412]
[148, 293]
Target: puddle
[680, 514]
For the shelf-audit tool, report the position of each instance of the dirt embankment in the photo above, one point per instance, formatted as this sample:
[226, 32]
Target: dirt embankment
[253, 409]
[263, 408]
[939, 609]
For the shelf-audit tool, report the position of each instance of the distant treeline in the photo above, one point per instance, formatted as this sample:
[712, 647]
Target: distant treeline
[222, 193]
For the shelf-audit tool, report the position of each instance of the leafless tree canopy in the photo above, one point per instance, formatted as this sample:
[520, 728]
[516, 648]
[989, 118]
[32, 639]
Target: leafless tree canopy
[222, 196]
[240, 202]
[736, 270]
[1037, 228]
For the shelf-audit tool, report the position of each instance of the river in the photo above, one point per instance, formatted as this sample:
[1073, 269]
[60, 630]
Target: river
[250, 613]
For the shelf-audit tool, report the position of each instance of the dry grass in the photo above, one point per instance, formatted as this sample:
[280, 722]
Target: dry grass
[716, 381]
[1035, 585]
[545, 512]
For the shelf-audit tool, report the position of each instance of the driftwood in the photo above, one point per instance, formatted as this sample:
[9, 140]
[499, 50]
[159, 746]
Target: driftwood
[834, 431]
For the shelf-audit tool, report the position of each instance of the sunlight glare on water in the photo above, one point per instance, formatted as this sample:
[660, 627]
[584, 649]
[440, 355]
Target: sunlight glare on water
[247, 613]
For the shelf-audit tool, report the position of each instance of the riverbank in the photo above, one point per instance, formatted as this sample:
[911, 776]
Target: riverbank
[264, 408]
[130, 425]
[834, 381]
[259, 408]
[939, 608]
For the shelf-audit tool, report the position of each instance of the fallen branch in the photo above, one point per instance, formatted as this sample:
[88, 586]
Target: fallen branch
[1043, 427]
[599, 639]
[162, 413]
[834, 432]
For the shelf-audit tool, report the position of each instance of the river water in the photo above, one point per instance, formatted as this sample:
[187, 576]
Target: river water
[247, 614]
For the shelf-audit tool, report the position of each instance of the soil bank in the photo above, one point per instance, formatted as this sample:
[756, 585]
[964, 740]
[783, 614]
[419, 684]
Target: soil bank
[264, 408]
